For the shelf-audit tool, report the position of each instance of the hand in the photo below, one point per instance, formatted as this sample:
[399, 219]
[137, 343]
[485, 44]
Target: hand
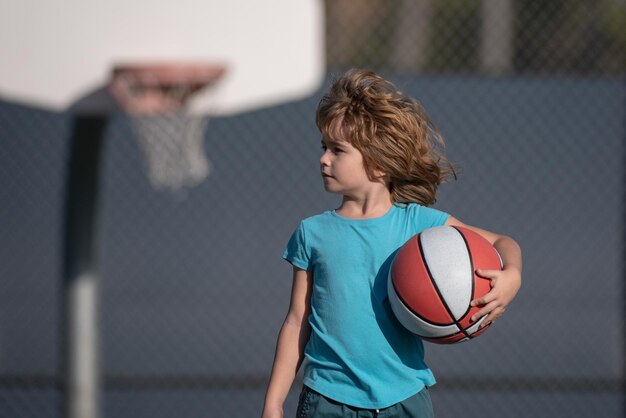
[504, 286]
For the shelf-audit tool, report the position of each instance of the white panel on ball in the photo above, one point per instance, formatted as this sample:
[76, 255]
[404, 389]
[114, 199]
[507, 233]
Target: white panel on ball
[448, 261]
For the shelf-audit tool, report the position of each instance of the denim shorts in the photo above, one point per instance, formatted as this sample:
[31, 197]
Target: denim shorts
[315, 405]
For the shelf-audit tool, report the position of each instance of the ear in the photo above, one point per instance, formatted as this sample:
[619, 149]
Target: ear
[379, 174]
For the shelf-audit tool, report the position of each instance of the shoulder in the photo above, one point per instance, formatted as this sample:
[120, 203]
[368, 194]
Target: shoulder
[312, 225]
[425, 215]
[316, 221]
[414, 208]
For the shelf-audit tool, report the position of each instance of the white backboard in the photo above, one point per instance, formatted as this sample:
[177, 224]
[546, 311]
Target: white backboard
[55, 52]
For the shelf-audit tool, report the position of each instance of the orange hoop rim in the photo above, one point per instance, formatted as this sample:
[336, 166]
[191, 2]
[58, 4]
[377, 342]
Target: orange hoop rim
[171, 73]
[149, 88]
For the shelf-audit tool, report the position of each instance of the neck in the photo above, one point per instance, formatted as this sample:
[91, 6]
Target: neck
[371, 205]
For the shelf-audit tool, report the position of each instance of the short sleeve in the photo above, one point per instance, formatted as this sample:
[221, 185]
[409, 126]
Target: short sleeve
[297, 252]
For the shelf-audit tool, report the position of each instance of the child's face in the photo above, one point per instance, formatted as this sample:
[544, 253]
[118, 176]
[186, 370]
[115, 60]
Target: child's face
[342, 168]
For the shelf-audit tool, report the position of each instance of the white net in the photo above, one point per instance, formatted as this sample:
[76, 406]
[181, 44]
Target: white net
[172, 145]
[171, 139]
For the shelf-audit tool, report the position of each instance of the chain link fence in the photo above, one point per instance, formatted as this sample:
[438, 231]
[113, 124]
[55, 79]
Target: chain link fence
[531, 97]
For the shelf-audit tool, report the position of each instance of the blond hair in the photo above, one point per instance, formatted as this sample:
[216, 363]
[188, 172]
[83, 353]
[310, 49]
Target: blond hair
[391, 130]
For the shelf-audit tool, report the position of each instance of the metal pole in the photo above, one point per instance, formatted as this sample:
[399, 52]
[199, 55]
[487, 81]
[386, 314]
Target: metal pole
[623, 281]
[412, 35]
[496, 52]
[82, 379]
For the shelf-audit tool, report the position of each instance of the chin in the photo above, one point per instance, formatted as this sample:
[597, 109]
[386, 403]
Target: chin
[330, 189]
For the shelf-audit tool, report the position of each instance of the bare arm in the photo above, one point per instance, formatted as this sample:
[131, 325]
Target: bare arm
[293, 336]
[505, 283]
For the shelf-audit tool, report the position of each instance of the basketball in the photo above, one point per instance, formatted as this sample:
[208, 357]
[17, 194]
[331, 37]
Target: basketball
[432, 281]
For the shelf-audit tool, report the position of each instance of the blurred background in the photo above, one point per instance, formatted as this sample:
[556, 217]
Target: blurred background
[531, 98]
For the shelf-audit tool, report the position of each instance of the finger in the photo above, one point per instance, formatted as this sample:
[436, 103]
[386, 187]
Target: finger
[486, 322]
[489, 310]
[484, 300]
[491, 318]
[488, 274]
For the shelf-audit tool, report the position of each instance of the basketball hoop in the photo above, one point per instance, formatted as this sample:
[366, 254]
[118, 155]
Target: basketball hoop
[155, 97]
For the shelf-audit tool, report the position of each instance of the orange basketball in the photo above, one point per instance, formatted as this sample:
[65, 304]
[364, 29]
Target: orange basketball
[433, 279]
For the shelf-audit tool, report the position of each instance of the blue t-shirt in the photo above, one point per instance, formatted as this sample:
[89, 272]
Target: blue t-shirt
[358, 353]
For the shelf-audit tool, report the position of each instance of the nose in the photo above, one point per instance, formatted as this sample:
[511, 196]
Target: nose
[324, 161]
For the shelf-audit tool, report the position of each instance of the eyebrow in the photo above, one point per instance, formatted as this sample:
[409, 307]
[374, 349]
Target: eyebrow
[336, 143]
